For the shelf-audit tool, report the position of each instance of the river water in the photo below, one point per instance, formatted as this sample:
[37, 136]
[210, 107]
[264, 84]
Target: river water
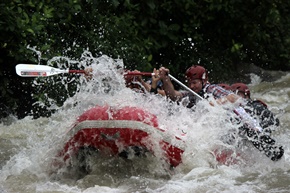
[28, 146]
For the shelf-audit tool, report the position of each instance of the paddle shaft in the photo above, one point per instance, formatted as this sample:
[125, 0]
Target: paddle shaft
[77, 71]
[139, 73]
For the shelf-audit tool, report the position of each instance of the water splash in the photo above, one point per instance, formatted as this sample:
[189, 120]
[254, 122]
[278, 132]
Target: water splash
[29, 145]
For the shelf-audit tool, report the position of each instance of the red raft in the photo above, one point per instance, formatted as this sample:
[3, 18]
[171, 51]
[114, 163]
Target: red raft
[115, 131]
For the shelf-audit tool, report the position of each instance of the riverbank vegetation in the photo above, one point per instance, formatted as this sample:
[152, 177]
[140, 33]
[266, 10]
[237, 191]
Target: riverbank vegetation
[219, 34]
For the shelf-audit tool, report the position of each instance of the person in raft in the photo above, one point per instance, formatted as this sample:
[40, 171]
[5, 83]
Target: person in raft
[136, 83]
[256, 108]
[197, 81]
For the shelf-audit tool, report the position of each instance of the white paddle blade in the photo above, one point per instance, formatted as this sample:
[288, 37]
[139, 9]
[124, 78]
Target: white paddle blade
[34, 70]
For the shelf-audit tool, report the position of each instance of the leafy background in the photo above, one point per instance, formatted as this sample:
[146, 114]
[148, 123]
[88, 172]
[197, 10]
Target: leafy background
[222, 35]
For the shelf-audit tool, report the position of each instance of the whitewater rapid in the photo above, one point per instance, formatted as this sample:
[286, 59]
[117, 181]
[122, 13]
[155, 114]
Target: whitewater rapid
[27, 146]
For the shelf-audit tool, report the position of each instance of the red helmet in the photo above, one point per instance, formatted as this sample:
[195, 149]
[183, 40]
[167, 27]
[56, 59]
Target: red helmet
[196, 72]
[241, 87]
[225, 86]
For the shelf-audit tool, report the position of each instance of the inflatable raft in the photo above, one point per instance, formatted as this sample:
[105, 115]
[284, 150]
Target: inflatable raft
[119, 131]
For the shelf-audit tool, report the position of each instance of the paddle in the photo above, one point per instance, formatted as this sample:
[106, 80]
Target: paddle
[261, 141]
[34, 70]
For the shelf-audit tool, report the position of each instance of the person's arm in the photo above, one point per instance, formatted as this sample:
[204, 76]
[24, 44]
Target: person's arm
[154, 81]
[145, 84]
[232, 98]
[140, 79]
[168, 86]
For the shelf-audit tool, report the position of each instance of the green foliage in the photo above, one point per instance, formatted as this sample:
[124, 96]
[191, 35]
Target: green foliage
[218, 34]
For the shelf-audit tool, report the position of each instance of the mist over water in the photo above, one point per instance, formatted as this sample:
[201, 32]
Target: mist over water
[28, 146]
